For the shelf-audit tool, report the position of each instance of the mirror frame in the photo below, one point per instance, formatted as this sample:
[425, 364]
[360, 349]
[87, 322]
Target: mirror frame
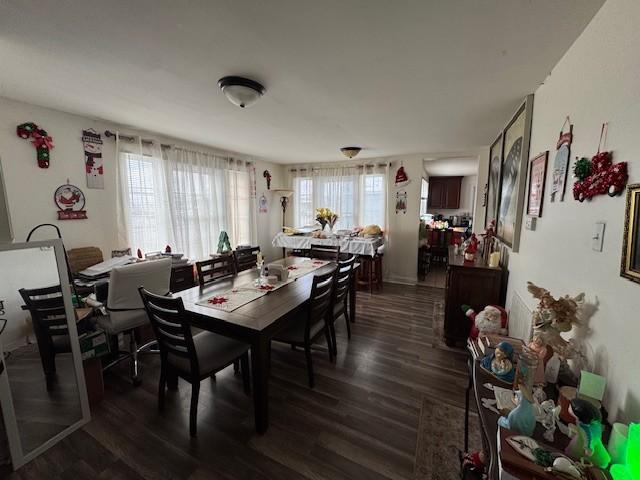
[18, 456]
[4, 199]
[631, 233]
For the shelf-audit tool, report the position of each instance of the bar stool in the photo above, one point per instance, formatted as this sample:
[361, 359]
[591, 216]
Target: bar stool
[370, 272]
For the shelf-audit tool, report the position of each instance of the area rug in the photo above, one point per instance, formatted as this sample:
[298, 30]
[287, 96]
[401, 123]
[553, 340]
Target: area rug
[441, 438]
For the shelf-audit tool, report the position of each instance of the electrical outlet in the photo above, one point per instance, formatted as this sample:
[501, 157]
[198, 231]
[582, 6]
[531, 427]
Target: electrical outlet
[598, 237]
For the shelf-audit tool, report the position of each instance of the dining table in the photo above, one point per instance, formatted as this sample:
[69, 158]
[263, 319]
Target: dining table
[258, 321]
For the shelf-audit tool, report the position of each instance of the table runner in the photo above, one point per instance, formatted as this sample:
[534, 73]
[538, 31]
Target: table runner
[235, 298]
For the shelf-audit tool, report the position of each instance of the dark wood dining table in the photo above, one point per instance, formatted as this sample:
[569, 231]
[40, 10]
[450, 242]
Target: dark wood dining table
[257, 322]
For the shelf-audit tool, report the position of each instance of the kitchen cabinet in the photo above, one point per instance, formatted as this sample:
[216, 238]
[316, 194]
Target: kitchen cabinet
[444, 192]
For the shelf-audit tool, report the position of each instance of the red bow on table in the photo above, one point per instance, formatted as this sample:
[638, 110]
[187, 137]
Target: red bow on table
[217, 300]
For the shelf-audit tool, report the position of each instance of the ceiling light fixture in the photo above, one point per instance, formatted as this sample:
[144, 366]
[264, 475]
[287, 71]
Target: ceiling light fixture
[241, 91]
[350, 152]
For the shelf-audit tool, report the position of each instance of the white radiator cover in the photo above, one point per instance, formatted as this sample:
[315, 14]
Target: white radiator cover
[519, 318]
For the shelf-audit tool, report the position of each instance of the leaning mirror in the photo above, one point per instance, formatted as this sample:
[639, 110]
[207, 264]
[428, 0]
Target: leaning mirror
[630, 267]
[42, 390]
[6, 234]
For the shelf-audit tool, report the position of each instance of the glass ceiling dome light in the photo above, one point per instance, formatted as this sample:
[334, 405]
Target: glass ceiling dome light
[241, 91]
[350, 152]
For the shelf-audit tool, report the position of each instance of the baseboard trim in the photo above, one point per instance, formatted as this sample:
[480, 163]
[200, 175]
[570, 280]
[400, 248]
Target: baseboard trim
[401, 280]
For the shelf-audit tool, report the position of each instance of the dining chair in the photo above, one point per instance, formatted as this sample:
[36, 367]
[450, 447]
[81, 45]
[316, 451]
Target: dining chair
[125, 308]
[339, 303]
[304, 332]
[246, 258]
[325, 252]
[188, 356]
[49, 318]
[219, 267]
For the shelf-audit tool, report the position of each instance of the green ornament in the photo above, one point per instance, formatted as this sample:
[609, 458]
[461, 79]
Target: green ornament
[582, 168]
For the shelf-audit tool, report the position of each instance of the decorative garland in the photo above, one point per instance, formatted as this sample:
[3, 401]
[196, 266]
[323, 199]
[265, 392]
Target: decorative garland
[40, 139]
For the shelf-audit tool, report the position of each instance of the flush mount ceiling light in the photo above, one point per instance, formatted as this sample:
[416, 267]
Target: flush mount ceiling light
[350, 152]
[241, 91]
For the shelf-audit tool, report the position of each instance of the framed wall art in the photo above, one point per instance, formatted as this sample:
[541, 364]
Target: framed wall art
[535, 192]
[561, 163]
[630, 265]
[513, 176]
[493, 181]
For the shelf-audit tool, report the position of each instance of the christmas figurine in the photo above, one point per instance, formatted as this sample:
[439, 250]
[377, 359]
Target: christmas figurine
[471, 249]
[493, 319]
[586, 434]
[500, 362]
[167, 249]
[40, 139]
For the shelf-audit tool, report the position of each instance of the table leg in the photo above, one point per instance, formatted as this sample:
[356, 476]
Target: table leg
[352, 297]
[466, 411]
[260, 374]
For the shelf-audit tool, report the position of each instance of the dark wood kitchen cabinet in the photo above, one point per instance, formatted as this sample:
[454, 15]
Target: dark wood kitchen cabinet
[468, 283]
[444, 192]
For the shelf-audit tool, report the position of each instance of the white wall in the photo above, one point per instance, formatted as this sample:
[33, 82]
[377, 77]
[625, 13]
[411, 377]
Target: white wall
[467, 199]
[30, 188]
[598, 80]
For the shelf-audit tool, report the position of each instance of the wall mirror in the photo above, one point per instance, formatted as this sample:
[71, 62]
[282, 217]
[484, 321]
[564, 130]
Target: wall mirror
[630, 267]
[6, 233]
[42, 389]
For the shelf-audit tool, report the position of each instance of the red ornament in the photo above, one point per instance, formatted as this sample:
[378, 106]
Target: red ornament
[605, 177]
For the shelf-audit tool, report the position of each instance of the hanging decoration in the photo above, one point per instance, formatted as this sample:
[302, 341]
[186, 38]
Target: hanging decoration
[70, 201]
[561, 162]
[93, 158]
[402, 180]
[40, 139]
[599, 175]
[263, 204]
[401, 202]
[267, 175]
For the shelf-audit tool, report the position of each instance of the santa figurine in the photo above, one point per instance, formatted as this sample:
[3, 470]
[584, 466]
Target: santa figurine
[471, 249]
[493, 319]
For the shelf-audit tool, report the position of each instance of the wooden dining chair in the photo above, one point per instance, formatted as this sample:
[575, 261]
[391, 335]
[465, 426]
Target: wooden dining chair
[217, 268]
[325, 252]
[304, 331]
[246, 258]
[188, 356]
[49, 318]
[339, 303]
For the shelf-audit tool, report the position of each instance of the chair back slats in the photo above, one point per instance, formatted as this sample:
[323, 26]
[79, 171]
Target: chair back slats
[170, 325]
[210, 271]
[246, 258]
[325, 252]
[321, 298]
[343, 279]
[46, 306]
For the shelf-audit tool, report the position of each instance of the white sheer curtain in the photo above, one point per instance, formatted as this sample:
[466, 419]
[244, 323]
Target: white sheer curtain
[183, 198]
[357, 193]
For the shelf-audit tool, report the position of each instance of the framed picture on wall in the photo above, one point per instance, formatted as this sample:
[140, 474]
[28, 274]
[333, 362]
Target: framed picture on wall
[537, 175]
[630, 267]
[493, 181]
[513, 176]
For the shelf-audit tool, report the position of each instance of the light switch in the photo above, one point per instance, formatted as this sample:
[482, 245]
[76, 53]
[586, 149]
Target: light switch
[598, 237]
[530, 223]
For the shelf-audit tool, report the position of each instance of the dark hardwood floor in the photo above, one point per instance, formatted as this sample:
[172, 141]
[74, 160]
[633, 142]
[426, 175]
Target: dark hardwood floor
[360, 421]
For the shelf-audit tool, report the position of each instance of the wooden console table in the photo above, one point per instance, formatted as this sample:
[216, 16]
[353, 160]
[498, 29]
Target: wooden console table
[468, 283]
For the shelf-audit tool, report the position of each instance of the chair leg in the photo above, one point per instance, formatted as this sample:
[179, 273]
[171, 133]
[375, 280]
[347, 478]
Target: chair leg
[236, 366]
[161, 387]
[246, 376]
[133, 348]
[193, 413]
[172, 380]
[370, 277]
[307, 353]
[346, 317]
[327, 336]
[332, 330]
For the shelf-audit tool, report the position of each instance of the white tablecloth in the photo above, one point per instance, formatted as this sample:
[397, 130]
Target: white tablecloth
[353, 245]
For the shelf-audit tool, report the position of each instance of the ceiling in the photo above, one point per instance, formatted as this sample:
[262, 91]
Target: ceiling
[439, 167]
[395, 77]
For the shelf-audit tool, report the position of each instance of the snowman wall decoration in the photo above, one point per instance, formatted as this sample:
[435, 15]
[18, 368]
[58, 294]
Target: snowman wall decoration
[93, 158]
[70, 201]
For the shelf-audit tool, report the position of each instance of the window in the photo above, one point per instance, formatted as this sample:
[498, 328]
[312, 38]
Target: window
[184, 199]
[358, 198]
[424, 193]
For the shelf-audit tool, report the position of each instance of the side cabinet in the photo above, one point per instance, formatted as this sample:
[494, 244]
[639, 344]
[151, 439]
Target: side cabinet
[468, 283]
